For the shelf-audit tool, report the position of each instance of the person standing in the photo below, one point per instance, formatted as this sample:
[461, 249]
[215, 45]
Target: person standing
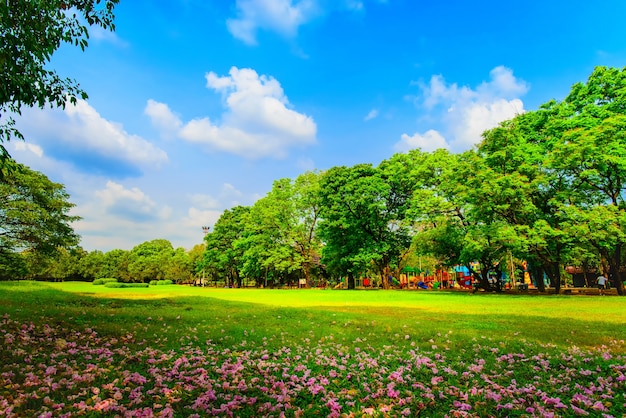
[601, 282]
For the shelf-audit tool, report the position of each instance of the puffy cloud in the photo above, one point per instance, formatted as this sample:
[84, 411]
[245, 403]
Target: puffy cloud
[282, 16]
[466, 113]
[32, 148]
[132, 204]
[257, 121]
[80, 135]
[162, 116]
[430, 141]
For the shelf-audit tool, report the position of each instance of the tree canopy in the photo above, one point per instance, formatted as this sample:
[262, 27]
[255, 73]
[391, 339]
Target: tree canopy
[34, 213]
[31, 31]
[543, 190]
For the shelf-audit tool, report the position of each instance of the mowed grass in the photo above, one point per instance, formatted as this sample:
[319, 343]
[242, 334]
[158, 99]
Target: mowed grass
[172, 351]
[167, 314]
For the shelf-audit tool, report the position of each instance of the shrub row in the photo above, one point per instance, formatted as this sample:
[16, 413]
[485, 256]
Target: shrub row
[102, 281]
[160, 282]
[122, 285]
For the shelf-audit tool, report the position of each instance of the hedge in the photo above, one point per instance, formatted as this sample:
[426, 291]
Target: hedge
[102, 281]
[160, 282]
[122, 285]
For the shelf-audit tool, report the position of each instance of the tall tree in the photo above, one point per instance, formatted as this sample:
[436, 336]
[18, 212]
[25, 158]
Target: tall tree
[222, 257]
[362, 220]
[149, 260]
[31, 31]
[34, 214]
[115, 265]
[592, 155]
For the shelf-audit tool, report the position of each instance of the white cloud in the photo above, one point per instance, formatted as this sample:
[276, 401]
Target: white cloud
[81, 135]
[373, 114]
[197, 218]
[430, 141]
[228, 196]
[257, 121]
[466, 113]
[162, 116]
[28, 147]
[129, 203]
[281, 16]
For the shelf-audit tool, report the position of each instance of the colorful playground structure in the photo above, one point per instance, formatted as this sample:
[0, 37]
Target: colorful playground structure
[459, 277]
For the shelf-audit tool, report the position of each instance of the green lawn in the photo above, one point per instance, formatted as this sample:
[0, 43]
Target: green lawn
[584, 321]
[284, 336]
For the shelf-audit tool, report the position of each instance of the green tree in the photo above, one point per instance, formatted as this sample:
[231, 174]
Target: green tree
[34, 214]
[280, 238]
[149, 260]
[115, 265]
[444, 211]
[591, 153]
[180, 268]
[222, 257]
[517, 185]
[31, 31]
[363, 209]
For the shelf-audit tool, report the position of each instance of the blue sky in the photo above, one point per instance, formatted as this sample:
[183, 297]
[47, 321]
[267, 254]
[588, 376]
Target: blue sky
[196, 106]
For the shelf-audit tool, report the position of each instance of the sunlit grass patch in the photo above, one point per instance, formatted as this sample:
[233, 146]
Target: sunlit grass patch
[185, 351]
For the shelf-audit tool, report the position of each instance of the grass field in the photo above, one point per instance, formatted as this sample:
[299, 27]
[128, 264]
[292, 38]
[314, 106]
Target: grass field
[180, 351]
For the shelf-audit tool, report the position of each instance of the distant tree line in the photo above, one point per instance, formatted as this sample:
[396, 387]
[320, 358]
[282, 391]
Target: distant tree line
[151, 260]
[546, 187]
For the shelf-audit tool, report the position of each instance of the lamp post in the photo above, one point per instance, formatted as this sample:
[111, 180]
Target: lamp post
[205, 230]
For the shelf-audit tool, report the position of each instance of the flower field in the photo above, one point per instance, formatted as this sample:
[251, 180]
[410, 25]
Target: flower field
[59, 367]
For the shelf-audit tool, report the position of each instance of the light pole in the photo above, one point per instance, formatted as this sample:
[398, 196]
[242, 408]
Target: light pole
[205, 230]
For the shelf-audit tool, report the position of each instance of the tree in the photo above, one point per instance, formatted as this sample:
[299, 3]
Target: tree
[363, 209]
[280, 238]
[180, 268]
[520, 188]
[34, 214]
[444, 210]
[31, 31]
[592, 155]
[222, 257]
[115, 265]
[149, 260]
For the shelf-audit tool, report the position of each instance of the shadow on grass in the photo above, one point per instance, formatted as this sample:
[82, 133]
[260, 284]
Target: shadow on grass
[169, 322]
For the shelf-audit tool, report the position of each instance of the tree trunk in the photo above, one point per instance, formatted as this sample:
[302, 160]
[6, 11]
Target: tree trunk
[499, 275]
[351, 285]
[615, 274]
[553, 270]
[482, 277]
[536, 271]
[238, 278]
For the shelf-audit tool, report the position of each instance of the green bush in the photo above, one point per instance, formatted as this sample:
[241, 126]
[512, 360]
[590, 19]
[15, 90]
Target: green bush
[164, 282]
[124, 285]
[154, 282]
[102, 281]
